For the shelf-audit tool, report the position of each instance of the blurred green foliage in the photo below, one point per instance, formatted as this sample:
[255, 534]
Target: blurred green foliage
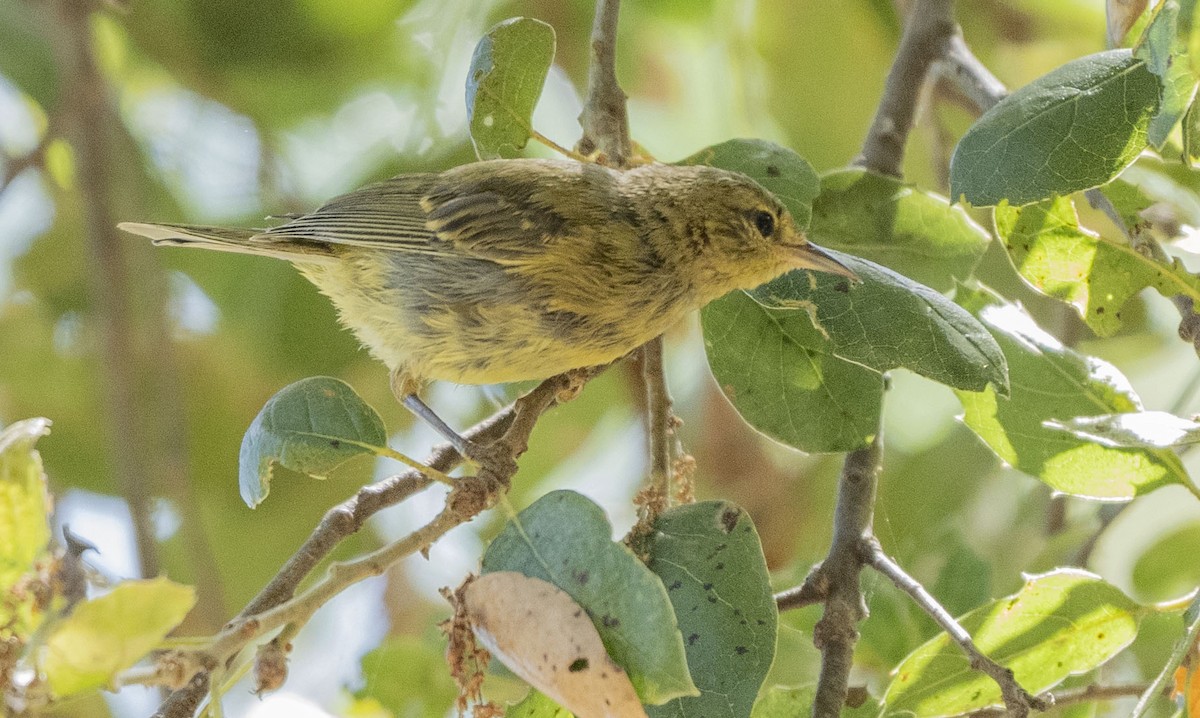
[228, 111]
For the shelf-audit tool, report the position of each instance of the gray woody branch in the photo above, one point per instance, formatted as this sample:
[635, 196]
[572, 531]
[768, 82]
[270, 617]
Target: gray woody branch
[931, 38]
[604, 119]
[605, 125]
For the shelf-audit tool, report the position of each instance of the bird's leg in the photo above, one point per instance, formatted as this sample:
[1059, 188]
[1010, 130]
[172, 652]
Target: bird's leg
[405, 389]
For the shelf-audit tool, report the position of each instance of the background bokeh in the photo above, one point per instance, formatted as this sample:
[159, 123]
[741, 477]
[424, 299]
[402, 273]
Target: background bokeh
[226, 111]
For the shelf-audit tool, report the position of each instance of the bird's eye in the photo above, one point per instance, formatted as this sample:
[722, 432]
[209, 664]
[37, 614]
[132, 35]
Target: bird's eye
[764, 222]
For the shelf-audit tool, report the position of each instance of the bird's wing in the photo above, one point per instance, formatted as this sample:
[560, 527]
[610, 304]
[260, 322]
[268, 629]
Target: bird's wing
[384, 215]
[502, 211]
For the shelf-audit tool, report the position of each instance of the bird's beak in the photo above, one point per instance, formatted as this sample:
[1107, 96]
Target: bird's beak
[809, 256]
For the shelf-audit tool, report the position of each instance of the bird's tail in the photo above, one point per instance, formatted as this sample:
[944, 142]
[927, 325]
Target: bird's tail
[228, 239]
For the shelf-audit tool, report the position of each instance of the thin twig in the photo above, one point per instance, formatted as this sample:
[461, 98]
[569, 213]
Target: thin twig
[837, 580]
[660, 427]
[1074, 696]
[345, 519]
[604, 118]
[814, 589]
[237, 634]
[605, 125]
[1017, 700]
[14, 166]
[971, 77]
[836, 634]
[926, 36]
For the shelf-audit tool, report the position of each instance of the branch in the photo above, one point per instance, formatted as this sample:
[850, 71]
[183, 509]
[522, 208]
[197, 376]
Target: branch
[604, 118]
[1017, 700]
[962, 70]
[926, 39]
[606, 131]
[87, 114]
[509, 428]
[299, 610]
[974, 81]
[14, 166]
[815, 589]
[1074, 696]
[836, 633]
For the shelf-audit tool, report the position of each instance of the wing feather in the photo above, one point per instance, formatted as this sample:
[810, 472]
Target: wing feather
[504, 211]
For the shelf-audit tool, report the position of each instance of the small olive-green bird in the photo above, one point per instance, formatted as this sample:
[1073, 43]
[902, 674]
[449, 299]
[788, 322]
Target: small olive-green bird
[510, 270]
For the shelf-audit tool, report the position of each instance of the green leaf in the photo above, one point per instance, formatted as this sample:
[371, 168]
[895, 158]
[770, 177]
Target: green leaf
[24, 508]
[812, 378]
[1135, 430]
[1165, 54]
[888, 322]
[537, 705]
[565, 539]
[781, 702]
[806, 398]
[1061, 259]
[903, 227]
[709, 557]
[504, 83]
[1059, 624]
[1074, 128]
[1191, 134]
[106, 635]
[1052, 382]
[785, 702]
[311, 427]
[408, 677]
[784, 173]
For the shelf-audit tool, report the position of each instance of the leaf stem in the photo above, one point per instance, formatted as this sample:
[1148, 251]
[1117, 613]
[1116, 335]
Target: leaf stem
[566, 152]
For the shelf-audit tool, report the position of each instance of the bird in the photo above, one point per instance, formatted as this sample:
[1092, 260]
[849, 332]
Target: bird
[517, 269]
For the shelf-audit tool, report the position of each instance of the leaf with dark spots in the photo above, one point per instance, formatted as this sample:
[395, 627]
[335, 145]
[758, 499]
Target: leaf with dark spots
[564, 535]
[729, 519]
[732, 660]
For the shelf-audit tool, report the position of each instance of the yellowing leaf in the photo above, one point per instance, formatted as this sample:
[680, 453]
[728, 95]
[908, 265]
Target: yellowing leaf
[1059, 624]
[566, 539]
[24, 529]
[547, 639]
[24, 524]
[108, 634]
